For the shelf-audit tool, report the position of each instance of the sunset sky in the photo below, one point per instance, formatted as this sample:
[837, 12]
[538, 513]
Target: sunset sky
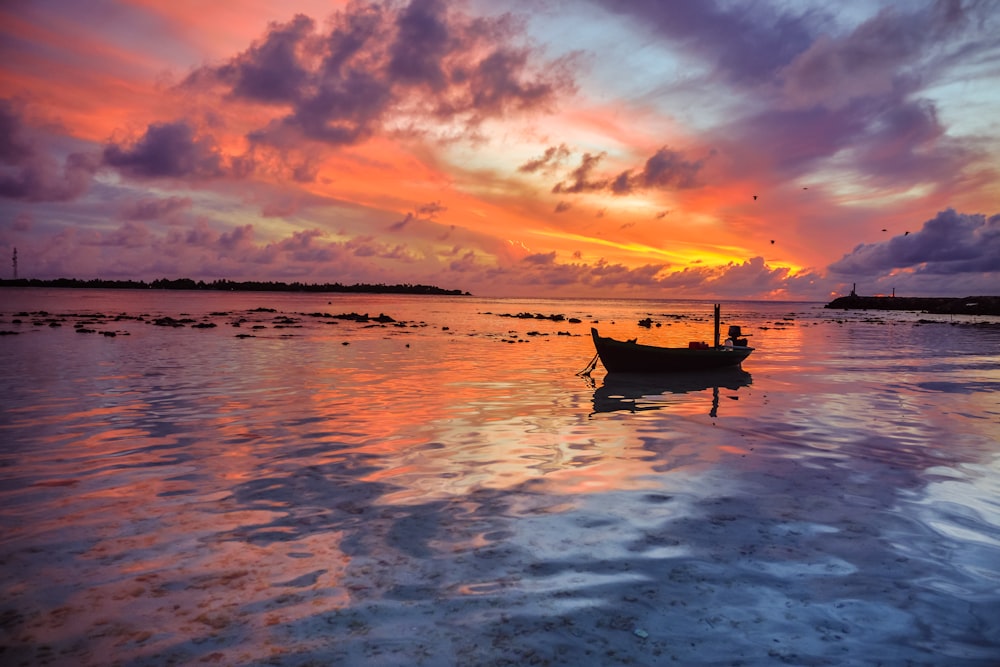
[691, 149]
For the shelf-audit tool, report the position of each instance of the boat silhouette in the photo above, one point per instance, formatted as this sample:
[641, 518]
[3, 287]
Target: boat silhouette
[638, 392]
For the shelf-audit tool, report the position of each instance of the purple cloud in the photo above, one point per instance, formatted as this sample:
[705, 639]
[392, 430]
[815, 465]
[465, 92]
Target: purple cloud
[271, 70]
[155, 209]
[169, 150]
[382, 62]
[950, 243]
[29, 171]
[423, 40]
[745, 44]
[908, 143]
[870, 60]
[541, 258]
[666, 168]
[236, 238]
[552, 158]
[425, 213]
[14, 145]
[581, 177]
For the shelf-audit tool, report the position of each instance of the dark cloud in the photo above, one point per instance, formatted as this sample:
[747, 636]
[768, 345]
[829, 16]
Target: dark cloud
[423, 40]
[552, 158]
[854, 94]
[857, 96]
[155, 209]
[236, 238]
[14, 145]
[665, 169]
[467, 263]
[272, 70]
[383, 63]
[399, 225]
[950, 243]
[31, 171]
[302, 246]
[431, 209]
[891, 143]
[170, 150]
[793, 140]
[540, 258]
[908, 143]
[129, 236]
[581, 177]
[744, 42]
[871, 60]
[426, 212]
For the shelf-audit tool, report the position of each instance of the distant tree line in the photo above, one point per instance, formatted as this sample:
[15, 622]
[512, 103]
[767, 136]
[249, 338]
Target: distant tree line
[231, 286]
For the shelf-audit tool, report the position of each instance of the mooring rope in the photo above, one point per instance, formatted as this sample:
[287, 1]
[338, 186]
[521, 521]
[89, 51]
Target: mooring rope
[590, 367]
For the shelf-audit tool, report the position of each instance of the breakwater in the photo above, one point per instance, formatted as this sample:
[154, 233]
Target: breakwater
[970, 305]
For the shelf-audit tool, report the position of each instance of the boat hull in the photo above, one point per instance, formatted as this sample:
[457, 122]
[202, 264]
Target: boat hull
[629, 357]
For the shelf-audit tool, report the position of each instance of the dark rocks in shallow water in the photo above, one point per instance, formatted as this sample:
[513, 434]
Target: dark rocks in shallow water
[536, 316]
[171, 322]
[352, 317]
[204, 325]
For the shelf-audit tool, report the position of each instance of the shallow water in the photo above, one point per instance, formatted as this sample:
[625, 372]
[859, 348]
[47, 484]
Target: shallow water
[444, 489]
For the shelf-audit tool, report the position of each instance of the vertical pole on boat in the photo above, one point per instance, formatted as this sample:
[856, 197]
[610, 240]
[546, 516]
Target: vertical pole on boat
[716, 325]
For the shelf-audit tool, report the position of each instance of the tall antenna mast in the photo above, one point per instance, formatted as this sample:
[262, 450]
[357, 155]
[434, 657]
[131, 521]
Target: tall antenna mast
[15, 263]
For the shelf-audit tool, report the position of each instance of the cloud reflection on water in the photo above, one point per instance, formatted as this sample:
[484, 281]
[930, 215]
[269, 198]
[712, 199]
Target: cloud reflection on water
[186, 495]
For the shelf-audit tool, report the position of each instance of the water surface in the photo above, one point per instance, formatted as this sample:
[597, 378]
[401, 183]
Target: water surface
[444, 489]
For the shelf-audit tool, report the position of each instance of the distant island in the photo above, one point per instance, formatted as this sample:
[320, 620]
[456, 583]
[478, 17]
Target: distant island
[969, 305]
[232, 286]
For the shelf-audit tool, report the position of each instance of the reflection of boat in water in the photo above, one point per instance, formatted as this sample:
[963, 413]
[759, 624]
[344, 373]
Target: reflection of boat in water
[635, 392]
[628, 356]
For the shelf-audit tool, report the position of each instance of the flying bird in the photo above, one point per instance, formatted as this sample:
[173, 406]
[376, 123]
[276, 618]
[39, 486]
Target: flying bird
[772, 241]
[755, 197]
[906, 233]
[884, 229]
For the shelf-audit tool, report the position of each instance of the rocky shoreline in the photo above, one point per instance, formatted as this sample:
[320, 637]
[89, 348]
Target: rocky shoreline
[970, 305]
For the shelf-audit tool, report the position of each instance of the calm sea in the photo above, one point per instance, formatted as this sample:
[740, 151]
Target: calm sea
[269, 483]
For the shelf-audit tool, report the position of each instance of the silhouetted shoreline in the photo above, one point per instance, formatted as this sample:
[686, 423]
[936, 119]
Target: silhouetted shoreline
[969, 305]
[233, 286]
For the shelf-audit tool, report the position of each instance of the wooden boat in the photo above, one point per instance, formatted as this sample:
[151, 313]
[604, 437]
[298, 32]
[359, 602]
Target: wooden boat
[631, 357]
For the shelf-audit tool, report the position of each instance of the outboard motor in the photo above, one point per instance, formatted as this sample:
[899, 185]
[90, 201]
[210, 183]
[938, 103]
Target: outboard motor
[734, 335]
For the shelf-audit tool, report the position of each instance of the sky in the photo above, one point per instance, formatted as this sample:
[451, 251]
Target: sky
[730, 149]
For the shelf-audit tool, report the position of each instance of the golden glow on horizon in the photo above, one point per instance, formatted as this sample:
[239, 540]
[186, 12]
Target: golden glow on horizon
[697, 252]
